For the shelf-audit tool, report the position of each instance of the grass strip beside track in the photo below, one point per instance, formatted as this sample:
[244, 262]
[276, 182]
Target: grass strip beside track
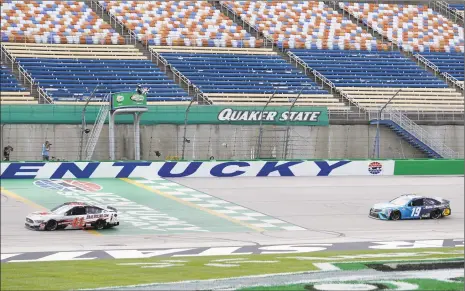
[66, 275]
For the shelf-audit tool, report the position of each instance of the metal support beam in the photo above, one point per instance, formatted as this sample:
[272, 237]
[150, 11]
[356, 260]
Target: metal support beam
[137, 136]
[111, 134]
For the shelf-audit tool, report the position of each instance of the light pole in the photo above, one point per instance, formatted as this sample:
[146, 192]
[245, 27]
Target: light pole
[260, 132]
[288, 120]
[185, 127]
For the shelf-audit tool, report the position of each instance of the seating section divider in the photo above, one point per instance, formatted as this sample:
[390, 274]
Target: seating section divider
[11, 91]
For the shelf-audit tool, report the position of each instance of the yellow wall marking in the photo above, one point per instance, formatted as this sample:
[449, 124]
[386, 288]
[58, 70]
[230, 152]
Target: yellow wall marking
[193, 205]
[35, 205]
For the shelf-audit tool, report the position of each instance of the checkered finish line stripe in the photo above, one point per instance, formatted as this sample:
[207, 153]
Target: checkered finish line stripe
[220, 206]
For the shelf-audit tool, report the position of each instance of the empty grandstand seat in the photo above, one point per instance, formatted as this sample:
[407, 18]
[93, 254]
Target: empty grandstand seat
[451, 63]
[304, 24]
[413, 27]
[54, 22]
[371, 78]
[457, 6]
[72, 72]
[179, 23]
[246, 77]
[11, 91]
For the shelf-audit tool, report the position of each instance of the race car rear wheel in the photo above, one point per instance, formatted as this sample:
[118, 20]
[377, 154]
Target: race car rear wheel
[100, 224]
[395, 215]
[435, 214]
[51, 225]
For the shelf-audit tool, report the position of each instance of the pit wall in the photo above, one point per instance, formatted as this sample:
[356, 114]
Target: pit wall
[222, 142]
[300, 168]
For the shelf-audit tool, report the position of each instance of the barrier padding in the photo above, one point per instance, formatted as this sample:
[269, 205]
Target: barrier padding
[176, 169]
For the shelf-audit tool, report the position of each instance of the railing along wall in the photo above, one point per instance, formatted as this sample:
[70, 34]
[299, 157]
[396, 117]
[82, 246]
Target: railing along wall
[324, 80]
[427, 63]
[453, 80]
[418, 132]
[25, 76]
[181, 78]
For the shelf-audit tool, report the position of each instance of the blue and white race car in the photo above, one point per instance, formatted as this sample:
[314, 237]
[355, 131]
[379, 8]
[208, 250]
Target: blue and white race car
[411, 206]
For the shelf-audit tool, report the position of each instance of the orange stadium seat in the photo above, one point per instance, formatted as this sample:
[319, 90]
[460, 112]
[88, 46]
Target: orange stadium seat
[413, 27]
[180, 23]
[304, 24]
[54, 22]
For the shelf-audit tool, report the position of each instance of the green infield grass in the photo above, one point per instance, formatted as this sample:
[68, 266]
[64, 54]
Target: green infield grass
[78, 274]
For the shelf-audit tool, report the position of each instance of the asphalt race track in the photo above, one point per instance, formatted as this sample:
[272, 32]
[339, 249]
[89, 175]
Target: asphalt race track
[331, 209]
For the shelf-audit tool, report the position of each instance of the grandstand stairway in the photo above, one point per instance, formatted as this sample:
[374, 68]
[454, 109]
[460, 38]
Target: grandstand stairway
[414, 134]
[405, 135]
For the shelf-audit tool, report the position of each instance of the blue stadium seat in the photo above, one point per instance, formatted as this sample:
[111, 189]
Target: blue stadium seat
[457, 6]
[451, 63]
[241, 73]
[9, 83]
[369, 69]
[75, 79]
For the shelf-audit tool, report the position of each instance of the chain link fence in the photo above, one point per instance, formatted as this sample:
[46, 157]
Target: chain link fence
[219, 142]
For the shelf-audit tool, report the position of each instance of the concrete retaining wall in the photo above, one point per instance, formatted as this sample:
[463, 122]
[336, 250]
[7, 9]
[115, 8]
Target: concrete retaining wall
[223, 142]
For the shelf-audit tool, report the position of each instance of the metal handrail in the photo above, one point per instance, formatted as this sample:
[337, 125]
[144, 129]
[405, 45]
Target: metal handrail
[198, 93]
[9, 56]
[453, 80]
[418, 132]
[426, 62]
[44, 95]
[451, 12]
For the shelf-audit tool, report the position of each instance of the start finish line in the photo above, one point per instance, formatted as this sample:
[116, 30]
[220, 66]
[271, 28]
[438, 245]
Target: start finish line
[142, 169]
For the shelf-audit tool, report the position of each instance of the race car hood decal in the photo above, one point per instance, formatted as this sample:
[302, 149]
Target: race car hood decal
[384, 205]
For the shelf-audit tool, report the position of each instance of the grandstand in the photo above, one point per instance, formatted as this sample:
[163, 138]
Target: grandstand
[458, 8]
[246, 77]
[179, 23]
[70, 72]
[413, 27]
[54, 22]
[12, 92]
[67, 50]
[450, 65]
[304, 24]
[371, 78]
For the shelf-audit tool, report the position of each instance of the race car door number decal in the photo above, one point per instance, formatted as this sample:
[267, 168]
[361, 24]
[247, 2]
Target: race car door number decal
[416, 211]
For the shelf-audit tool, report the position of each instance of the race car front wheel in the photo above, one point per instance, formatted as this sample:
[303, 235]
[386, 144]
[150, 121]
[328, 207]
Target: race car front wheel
[51, 225]
[395, 215]
[435, 214]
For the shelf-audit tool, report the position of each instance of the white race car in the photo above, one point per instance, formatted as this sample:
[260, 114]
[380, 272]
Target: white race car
[73, 215]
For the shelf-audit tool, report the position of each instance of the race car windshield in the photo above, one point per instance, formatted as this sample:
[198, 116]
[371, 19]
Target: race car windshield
[60, 209]
[400, 201]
